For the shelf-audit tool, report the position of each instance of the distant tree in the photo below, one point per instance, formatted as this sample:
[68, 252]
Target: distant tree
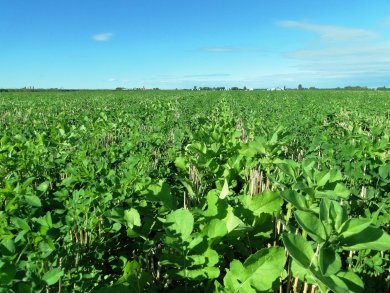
[244, 88]
[356, 87]
[120, 88]
[300, 87]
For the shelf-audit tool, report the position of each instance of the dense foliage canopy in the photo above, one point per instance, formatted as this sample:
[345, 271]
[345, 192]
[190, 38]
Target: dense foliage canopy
[194, 191]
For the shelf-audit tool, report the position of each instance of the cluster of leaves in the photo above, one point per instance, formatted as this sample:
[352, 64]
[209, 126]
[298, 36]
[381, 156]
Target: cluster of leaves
[157, 192]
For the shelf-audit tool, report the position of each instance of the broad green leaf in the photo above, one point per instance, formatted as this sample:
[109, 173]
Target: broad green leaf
[132, 218]
[335, 175]
[333, 282]
[332, 215]
[296, 199]
[384, 171]
[51, 277]
[33, 200]
[337, 214]
[312, 225]
[217, 287]
[129, 271]
[329, 261]
[161, 192]
[299, 249]
[206, 273]
[43, 187]
[258, 273]
[116, 227]
[231, 279]
[21, 235]
[369, 238]
[352, 280]
[302, 273]
[324, 210]
[275, 135]
[216, 228]
[322, 178]
[20, 223]
[287, 167]
[266, 202]
[253, 148]
[7, 247]
[308, 165]
[69, 181]
[49, 220]
[231, 221]
[181, 163]
[117, 214]
[264, 267]
[212, 257]
[179, 223]
[354, 226]
[212, 200]
[225, 190]
[216, 207]
[7, 272]
[46, 248]
[341, 191]
[28, 181]
[186, 183]
[196, 260]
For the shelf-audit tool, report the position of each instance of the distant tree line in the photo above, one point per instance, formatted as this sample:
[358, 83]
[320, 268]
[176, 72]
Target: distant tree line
[207, 88]
[220, 88]
[201, 88]
[355, 87]
[42, 90]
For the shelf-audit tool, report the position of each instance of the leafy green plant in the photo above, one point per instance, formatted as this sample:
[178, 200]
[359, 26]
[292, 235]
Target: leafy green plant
[194, 191]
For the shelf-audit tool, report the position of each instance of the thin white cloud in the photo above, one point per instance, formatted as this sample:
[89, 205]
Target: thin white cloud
[368, 63]
[329, 32]
[363, 53]
[349, 69]
[359, 59]
[103, 37]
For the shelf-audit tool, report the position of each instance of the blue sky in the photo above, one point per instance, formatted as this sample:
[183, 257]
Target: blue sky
[181, 44]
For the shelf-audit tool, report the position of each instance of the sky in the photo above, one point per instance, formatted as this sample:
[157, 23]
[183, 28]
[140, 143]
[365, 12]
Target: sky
[167, 44]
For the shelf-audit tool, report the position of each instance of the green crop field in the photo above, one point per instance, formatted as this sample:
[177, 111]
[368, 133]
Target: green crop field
[195, 191]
